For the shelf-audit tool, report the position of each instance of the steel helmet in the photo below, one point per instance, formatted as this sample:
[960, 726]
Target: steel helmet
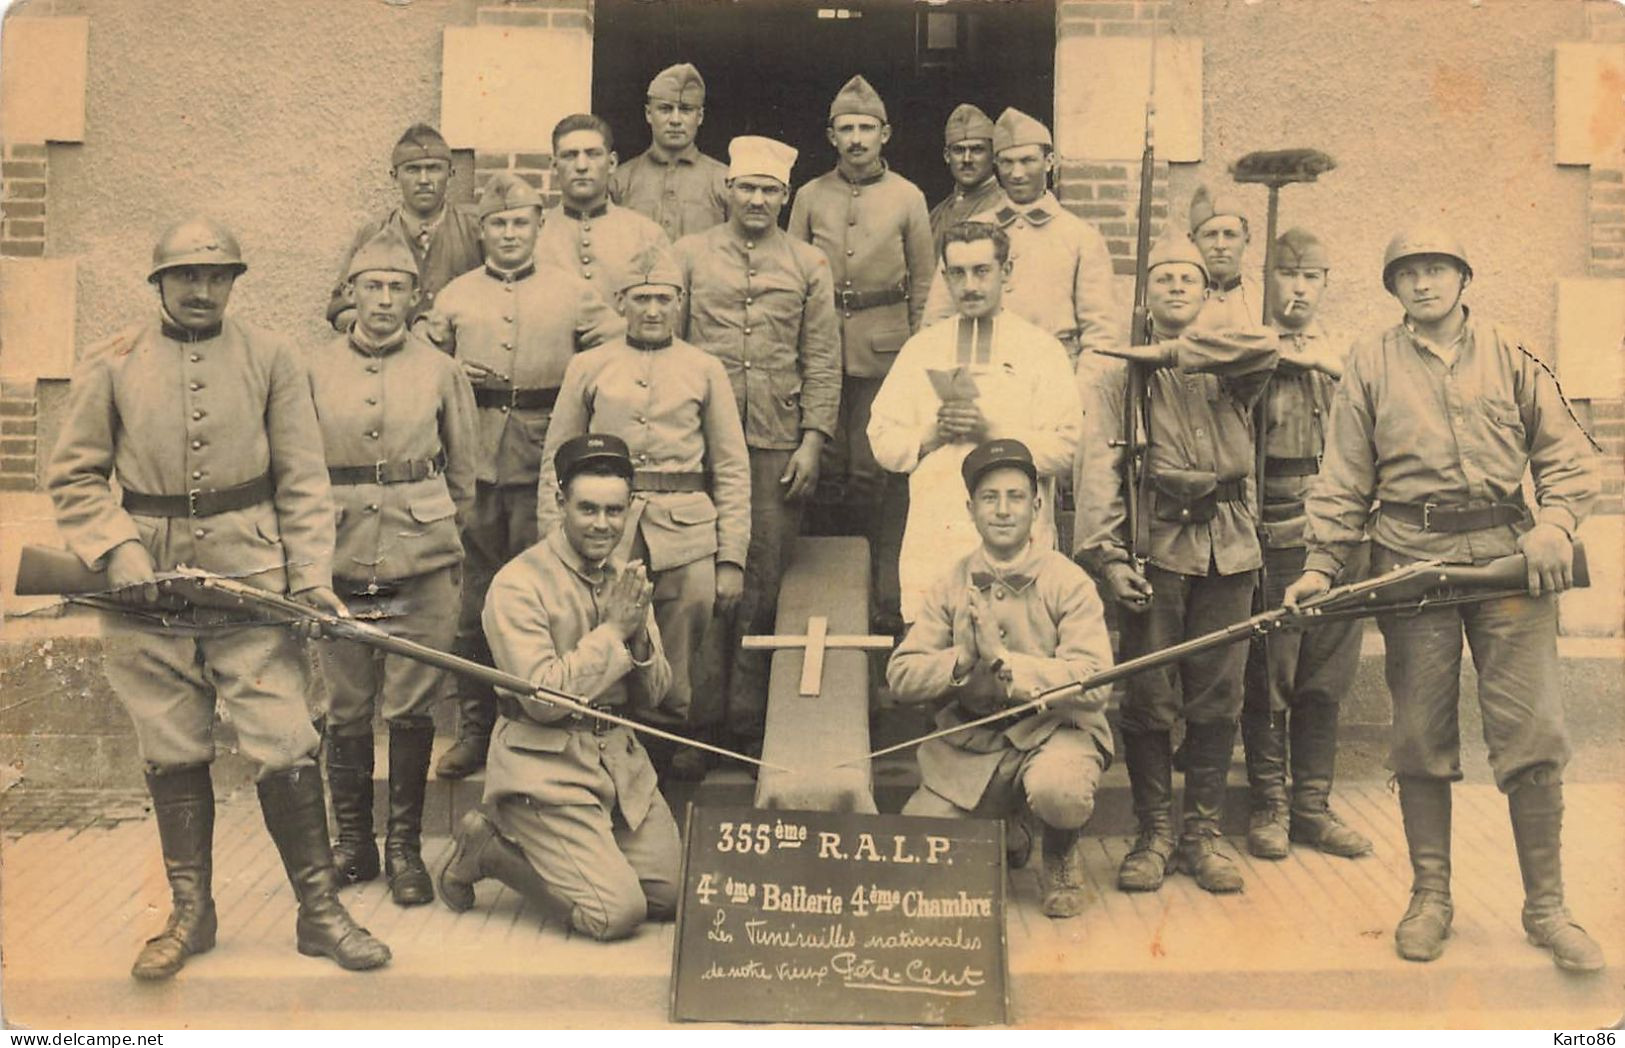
[196, 242]
[1421, 240]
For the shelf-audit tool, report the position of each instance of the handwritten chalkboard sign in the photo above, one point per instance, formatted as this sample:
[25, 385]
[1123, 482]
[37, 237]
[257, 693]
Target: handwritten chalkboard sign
[791, 916]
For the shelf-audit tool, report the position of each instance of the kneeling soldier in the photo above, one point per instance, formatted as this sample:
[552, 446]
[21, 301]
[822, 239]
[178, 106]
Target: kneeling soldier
[1003, 624]
[397, 421]
[577, 826]
[1440, 417]
[209, 429]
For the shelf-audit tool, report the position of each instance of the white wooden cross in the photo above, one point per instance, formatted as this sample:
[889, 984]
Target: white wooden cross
[816, 642]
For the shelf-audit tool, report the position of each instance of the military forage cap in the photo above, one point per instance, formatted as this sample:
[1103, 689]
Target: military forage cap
[505, 191]
[755, 155]
[679, 83]
[995, 454]
[1174, 248]
[653, 265]
[385, 251]
[966, 121]
[1016, 128]
[577, 453]
[1298, 248]
[857, 98]
[420, 142]
[1204, 206]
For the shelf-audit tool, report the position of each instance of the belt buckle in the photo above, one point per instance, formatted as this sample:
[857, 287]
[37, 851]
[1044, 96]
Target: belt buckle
[846, 298]
[191, 501]
[513, 398]
[1427, 515]
[378, 471]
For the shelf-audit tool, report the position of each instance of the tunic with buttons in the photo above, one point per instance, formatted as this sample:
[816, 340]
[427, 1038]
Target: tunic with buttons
[961, 205]
[1060, 275]
[444, 250]
[1050, 619]
[1296, 405]
[398, 402]
[1200, 435]
[1407, 427]
[765, 308]
[544, 618]
[1240, 304]
[598, 246]
[876, 233]
[527, 325]
[675, 410]
[166, 413]
[685, 194]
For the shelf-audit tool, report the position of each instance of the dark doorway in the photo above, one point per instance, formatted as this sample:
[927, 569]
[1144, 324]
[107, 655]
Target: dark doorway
[772, 66]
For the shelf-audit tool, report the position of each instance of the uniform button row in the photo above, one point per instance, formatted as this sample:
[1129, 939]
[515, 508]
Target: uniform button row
[195, 358]
[198, 415]
[195, 386]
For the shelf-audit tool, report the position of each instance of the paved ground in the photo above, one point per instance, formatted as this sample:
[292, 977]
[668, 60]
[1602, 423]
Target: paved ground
[1308, 944]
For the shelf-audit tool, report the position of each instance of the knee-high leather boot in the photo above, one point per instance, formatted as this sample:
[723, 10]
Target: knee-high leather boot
[1208, 751]
[1536, 806]
[296, 817]
[1149, 756]
[409, 745]
[349, 781]
[183, 802]
[1424, 804]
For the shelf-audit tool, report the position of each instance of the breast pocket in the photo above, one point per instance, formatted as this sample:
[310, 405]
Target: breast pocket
[1504, 432]
[775, 406]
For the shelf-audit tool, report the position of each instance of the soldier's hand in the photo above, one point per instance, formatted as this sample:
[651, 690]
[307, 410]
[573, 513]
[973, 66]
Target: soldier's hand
[985, 626]
[801, 474]
[1156, 354]
[626, 607]
[1550, 558]
[1308, 586]
[130, 574]
[1128, 587]
[482, 377]
[322, 599]
[730, 587]
[961, 420]
[966, 654]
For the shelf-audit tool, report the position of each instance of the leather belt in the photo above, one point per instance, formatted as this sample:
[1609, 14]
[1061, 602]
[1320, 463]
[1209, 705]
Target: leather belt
[201, 502]
[516, 398]
[656, 481]
[1457, 518]
[1176, 510]
[849, 301]
[1291, 467]
[402, 471]
[365, 588]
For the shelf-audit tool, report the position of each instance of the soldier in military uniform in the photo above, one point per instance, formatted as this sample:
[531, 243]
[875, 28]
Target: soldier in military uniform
[967, 149]
[208, 427]
[397, 419]
[1220, 231]
[689, 519]
[577, 826]
[1436, 422]
[1200, 544]
[872, 225]
[763, 303]
[1060, 271]
[444, 238]
[513, 325]
[1296, 681]
[672, 182]
[1002, 624]
[590, 235]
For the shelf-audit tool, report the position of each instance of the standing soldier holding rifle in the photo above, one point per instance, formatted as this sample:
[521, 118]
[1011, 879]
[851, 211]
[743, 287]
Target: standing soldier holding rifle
[1439, 418]
[209, 429]
[1200, 548]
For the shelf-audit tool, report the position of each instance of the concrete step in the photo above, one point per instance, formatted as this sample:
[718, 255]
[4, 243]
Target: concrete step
[1308, 944]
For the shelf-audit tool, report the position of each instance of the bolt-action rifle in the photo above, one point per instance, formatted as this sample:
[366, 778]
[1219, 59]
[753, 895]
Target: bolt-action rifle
[190, 598]
[1406, 590]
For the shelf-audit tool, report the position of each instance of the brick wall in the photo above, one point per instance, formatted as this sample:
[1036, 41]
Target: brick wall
[1111, 17]
[19, 435]
[1107, 194]
[1605, 23]
[535, 168]
[1606, 208]
[23, 184]
[556, 14]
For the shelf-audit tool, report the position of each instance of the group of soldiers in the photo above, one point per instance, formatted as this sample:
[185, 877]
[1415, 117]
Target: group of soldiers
[578, 443]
